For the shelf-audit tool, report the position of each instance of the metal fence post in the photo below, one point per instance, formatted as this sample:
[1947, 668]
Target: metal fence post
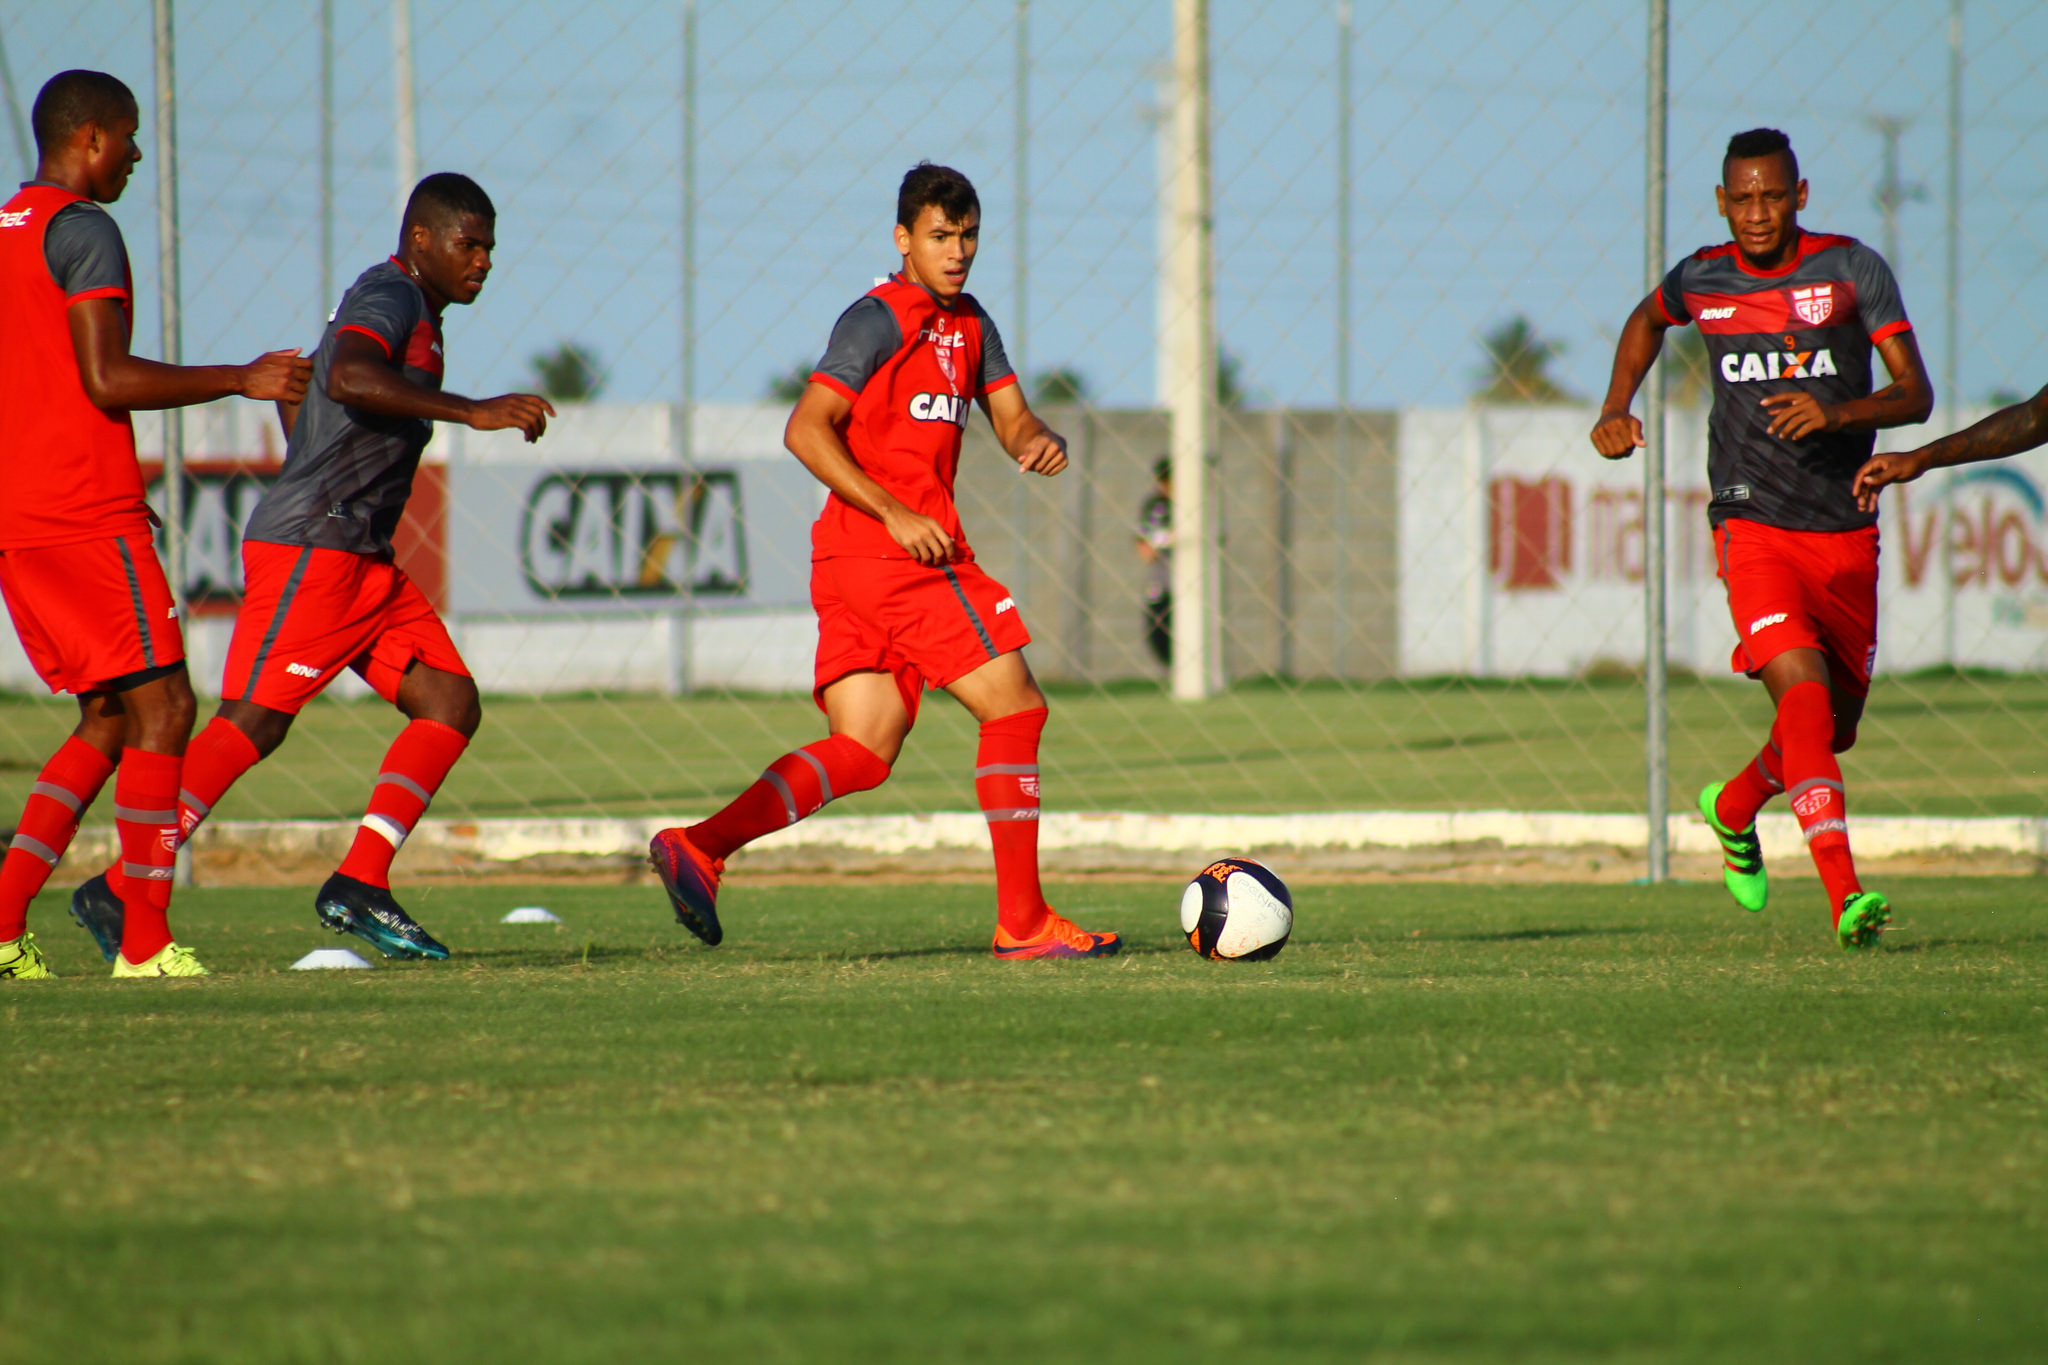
[170, 324]
[1190, 349]
[1656, 699]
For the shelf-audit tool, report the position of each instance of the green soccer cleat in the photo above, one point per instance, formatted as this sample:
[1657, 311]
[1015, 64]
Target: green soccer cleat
[1864, 916]
[1742, 855]
[170, 961]
[21, 960]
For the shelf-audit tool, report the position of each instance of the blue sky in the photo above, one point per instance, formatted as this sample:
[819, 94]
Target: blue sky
[1498, 155]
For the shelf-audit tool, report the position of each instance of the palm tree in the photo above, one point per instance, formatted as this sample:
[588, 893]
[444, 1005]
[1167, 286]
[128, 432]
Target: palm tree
[568, 374]
[1517, 368]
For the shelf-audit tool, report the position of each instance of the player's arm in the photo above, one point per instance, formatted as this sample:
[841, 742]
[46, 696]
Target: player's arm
[1909, 398]
[812, 435]
[2023, 426]
[361, 375]
[287, 416]
[1619, 432]
[114, 379]
[1036, 447]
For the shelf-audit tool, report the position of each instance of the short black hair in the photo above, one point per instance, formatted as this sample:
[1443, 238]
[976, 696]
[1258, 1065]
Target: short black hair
[1760, 142]
[71, 99]
[443, 197]
[940, 187]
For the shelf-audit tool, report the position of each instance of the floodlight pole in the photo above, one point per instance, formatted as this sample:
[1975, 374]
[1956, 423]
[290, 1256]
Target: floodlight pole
[680, 669]
[1656, 682]
[327, 299]
[24, 149]
[1190, 353]
[1952, 265]
[406, 127]
[1340, 507]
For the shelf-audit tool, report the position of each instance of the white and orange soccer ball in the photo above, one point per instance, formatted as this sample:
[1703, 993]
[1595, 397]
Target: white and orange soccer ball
[1237, 910]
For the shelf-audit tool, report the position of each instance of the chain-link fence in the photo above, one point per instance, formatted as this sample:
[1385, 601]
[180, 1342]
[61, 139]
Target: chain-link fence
[1428, 227]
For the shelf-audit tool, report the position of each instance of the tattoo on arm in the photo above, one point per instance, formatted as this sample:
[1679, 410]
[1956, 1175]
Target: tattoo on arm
[2005, 432]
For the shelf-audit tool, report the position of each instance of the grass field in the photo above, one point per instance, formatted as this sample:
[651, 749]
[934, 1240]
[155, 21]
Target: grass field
[1932, 745]
[1447, 1124]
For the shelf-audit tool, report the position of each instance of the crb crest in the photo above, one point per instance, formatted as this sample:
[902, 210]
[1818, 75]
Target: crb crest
[1814, 304]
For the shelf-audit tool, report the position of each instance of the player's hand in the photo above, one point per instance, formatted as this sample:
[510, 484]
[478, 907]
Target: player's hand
[1045, 453]
[277, 377]
[926, 540]
[1796, 416]
[1618, 435]
[527, 411]
[1879, 470]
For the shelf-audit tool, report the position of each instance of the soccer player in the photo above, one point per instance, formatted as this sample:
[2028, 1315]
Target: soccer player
[901, 603]
[2009, 431]
[1790, 318]
[321, 590]
[77, 566]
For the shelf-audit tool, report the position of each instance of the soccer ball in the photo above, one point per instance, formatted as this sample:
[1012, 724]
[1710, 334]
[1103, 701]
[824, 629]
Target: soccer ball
[1236, 910]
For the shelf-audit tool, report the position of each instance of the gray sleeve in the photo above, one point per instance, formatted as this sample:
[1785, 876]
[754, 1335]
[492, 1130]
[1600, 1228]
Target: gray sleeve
[85, 253]
[995, 362]
[1671, 295]
[863, 339]
[386, 308]
[1877, 294]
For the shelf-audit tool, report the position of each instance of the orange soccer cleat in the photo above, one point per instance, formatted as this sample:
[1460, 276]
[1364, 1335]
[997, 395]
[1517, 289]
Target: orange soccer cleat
[691, 880]
[1060, 938]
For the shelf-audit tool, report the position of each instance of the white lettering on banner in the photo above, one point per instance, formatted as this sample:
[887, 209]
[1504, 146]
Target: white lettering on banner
[615, 533]
[218, 506]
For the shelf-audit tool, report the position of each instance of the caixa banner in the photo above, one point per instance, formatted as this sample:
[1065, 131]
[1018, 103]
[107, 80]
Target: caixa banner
[578, 537]
[221, 494]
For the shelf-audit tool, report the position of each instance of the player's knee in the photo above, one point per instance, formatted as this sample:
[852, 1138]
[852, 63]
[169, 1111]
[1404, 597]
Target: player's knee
[465, 709]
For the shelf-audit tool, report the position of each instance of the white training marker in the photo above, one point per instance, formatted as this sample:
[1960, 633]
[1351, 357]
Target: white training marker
[331, 960]
[531, 914]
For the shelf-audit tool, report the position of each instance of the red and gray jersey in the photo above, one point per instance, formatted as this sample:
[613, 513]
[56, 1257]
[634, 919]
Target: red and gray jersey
[347, 472]
[912, 368]
[1809, 327]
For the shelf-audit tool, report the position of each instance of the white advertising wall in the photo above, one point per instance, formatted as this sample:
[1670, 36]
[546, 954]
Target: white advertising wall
[1522, 551]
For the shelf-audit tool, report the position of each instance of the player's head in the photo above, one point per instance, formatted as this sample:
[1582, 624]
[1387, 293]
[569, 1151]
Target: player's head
[85, 124]
[938, 228]
[446, 240]
[1760, 193]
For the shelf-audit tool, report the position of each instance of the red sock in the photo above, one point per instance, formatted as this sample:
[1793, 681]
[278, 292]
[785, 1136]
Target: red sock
[1748, 790]
[64, 788]
[1006, 784]
[414, 768]
[146, 818]
[214, 762]
[1806, 729]
[794, 786]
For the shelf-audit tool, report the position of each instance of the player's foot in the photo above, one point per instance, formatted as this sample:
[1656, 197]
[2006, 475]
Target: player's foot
[1864, 916]
[691, 880]
[1742, 855]
[98, 911]
[1061, 937]
[21, 960]
[348, 906]
[171, 960]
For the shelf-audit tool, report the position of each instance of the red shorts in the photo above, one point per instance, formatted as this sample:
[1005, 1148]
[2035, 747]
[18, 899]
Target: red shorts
[307, 612]
[93, 613]
[1802, 590]
[926, 627]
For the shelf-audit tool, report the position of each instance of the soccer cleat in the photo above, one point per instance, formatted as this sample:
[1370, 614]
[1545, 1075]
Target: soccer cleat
[171, 960]
[98, 911]
[691, 880]
[1864, 916]
[1060, 938]
[1742, 855]
[349, 906]
[21, 960]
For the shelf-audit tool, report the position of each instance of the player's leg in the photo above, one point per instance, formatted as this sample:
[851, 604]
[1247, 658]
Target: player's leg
[1005, 698]
[413, 664]
[159, 712]
[1800, 686]
[867, 714]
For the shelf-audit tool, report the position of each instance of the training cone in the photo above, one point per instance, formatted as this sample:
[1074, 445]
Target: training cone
[331, 960]
[531, 914]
